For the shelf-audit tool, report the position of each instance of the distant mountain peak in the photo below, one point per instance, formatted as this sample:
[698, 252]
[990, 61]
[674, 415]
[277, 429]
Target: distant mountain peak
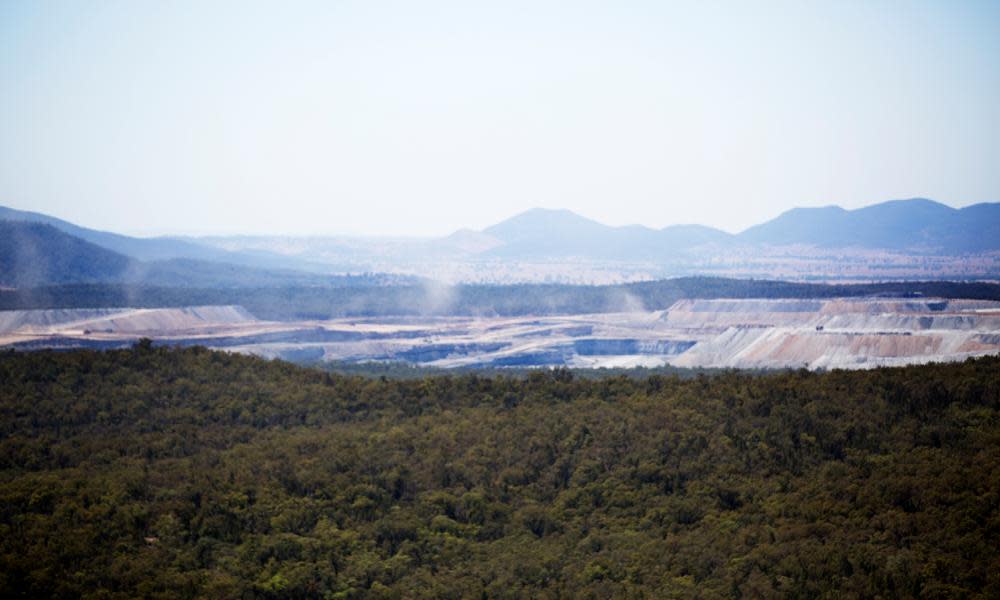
[911, 203]
[547, 215]
[540, 210]
[541, 221]
[469, 240]
[899, 225]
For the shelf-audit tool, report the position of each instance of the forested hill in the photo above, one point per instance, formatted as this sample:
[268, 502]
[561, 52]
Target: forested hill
[188, 473]
[36, 255]
[33, 254]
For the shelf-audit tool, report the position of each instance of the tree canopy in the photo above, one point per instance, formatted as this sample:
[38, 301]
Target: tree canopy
[187, 473]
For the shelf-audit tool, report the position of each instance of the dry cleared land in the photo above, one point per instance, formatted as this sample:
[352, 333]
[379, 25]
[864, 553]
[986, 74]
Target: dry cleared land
[835, 333]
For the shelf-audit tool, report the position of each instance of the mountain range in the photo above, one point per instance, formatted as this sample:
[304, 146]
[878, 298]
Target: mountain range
[38, 249]
[917, 225]
[156, 248]
[543, 233]
[914, 226]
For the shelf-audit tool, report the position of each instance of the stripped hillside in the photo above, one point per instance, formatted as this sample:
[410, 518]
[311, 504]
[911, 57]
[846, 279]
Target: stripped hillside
[722, 333]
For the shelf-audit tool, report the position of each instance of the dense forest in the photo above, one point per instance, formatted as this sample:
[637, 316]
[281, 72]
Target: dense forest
[33, 254]
[164, 473]
[381, 295]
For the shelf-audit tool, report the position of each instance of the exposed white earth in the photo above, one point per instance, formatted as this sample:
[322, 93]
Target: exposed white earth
[815, 334]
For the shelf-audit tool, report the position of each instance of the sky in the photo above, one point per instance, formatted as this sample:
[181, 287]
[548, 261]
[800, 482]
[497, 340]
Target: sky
[419, 118]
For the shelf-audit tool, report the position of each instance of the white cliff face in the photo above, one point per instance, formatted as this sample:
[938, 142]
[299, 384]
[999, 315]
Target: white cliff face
[836, 333]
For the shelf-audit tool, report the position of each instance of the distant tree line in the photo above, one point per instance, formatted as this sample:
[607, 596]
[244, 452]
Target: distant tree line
[360, 298]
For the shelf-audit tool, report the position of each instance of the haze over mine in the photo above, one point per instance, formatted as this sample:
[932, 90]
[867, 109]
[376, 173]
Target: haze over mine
[399, 118]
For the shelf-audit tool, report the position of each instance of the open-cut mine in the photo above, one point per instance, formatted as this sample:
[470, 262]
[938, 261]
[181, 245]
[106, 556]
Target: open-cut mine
[784, 333]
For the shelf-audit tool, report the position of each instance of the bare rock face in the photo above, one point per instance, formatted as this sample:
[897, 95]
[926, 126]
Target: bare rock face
[836, 333]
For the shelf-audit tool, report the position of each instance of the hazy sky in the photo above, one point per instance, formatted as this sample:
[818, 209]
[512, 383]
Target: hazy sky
[423, 117]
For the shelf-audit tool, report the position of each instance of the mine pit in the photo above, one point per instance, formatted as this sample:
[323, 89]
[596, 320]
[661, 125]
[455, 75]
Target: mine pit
[729, 333]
